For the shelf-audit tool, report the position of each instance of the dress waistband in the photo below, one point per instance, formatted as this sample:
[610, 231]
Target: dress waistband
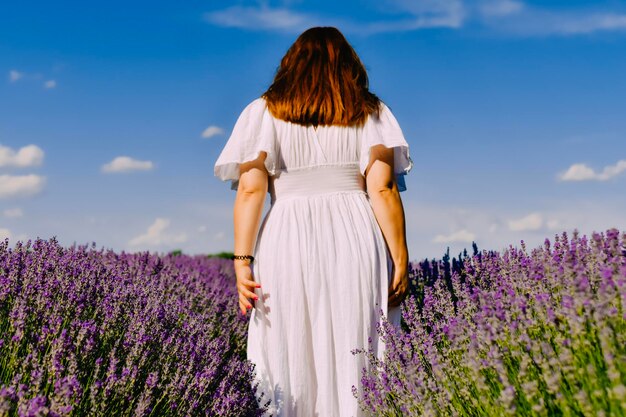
[316, 180]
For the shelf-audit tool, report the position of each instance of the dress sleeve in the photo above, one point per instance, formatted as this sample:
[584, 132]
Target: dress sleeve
[253, 132]
[385, 130]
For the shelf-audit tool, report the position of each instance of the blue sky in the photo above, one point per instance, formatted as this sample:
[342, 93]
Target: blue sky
[513, 110]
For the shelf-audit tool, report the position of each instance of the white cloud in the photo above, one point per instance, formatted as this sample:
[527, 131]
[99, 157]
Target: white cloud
[157, 235]
[458, 236]
[211, 131]
[587, 216]
[421, 14]
[451, 21]
[430, 7]
[26, 156]
[499, 8]
[20, 185]
[15, 75]
[13, 213]
[5, 233]
[219, 236]
[126, 164]
[554, 224]
[537, 21]
[202, 229]
[262, 17]
[594, 22]
[533, 221]
[582, 172]
[517, 17]
[489, 222]
[578, 172]
[511, 16]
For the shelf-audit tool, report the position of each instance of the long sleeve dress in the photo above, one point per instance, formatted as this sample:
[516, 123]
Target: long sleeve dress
[320, 257]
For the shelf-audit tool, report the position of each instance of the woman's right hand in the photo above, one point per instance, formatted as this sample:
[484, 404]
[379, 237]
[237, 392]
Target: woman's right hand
[245, 284]
[399, 288]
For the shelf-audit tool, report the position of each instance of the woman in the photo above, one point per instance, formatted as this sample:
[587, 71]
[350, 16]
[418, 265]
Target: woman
[330, 256]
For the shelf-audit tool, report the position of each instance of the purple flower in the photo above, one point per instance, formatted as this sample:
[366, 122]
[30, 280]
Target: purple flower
[516, 331]
[103, 329]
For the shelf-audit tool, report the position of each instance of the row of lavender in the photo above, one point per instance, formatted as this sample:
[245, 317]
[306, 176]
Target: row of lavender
[517, 333]
[87, 332]
[94, 332]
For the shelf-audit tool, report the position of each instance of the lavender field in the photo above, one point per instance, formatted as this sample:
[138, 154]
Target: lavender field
[93, 332]
[524, 332]
[513, 333]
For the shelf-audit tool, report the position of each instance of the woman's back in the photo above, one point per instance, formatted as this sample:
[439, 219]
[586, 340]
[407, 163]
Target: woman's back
[320, 257]
[292, 146]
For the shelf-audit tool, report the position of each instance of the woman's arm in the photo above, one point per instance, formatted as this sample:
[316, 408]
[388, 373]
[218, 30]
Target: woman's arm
[248, 208]
[387, 206]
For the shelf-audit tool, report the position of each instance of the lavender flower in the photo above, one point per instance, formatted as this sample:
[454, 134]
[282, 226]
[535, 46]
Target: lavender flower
[517, 333]
[94, 332]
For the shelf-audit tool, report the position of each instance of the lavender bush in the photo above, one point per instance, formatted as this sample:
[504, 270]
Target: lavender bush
[539, 334]
[93, 332]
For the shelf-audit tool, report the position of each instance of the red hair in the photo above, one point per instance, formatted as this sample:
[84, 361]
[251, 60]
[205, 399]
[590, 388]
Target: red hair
[321, 81]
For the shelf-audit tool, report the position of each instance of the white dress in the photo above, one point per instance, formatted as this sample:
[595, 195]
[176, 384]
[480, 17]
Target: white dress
[320, 257]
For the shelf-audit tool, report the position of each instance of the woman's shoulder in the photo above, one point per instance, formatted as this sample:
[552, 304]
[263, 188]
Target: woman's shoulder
[253, 113]
[382, 112]
[384, 117]
[255, 107]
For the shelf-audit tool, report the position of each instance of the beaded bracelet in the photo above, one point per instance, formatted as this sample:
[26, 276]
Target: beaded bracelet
[243, 257]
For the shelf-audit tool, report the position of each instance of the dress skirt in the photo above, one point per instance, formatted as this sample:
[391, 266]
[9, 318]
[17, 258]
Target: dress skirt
[324, 271]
